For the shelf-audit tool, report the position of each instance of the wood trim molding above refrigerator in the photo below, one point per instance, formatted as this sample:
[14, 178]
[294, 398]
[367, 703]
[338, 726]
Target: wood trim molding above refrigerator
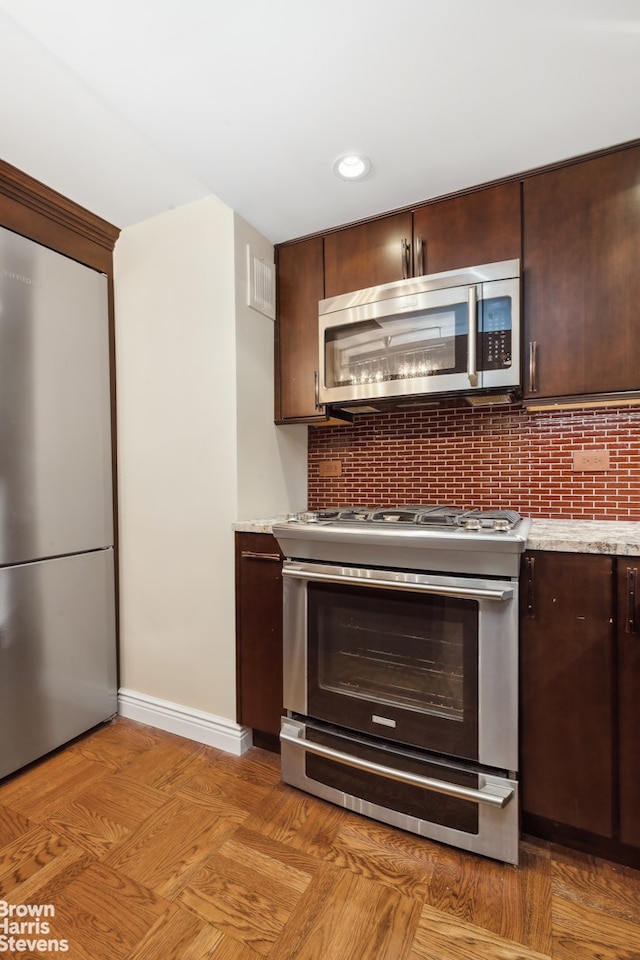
[36, 211]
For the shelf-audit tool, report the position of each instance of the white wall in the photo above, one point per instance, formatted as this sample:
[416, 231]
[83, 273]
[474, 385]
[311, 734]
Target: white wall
[197, 450]
[177, 485]
[272, 461]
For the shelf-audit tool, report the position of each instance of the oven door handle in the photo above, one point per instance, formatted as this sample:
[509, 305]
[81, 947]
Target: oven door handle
[491, 794]
[464, 593]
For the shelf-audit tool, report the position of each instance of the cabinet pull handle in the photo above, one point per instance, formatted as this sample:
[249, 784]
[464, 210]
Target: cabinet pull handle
[632, 592]
[533, 366]
[251, 555]
[406, 259]
[418, 257]
[530, 606]
[472, 365]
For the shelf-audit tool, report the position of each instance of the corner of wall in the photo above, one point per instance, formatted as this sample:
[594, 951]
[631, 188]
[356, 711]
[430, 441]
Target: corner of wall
[272, 460]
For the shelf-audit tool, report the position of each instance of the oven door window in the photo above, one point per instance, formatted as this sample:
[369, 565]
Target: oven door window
[395, 664]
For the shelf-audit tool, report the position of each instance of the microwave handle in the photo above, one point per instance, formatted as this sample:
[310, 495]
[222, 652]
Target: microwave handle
[472, 337]
[418, 256]
[533, 366]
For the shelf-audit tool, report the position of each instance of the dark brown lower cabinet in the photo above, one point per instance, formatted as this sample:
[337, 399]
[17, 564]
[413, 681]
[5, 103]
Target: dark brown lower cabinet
[580, 720]
[629, 698]
[259, 636]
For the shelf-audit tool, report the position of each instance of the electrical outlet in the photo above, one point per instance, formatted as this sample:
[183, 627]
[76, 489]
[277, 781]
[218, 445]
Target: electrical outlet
[330, 468]
[590, 460]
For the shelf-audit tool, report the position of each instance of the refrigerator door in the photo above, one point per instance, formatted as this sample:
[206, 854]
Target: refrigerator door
[55, 415]
[57, 653]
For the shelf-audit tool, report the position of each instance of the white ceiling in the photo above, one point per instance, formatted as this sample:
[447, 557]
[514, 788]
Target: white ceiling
[132, 107]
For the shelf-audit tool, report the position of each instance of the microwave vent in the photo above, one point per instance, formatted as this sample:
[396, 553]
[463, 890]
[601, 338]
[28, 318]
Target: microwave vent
[261, 293]
[490, 399]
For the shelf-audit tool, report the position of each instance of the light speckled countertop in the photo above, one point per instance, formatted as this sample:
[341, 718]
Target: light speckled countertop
[263, 525]
[619, 537]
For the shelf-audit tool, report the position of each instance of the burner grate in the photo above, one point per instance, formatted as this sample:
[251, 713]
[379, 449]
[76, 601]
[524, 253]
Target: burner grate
[428, 515]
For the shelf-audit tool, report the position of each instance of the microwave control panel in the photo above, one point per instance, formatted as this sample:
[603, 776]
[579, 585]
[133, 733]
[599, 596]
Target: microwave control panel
[495, 336]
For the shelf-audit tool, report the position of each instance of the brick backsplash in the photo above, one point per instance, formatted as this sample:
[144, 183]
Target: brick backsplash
[507, 458]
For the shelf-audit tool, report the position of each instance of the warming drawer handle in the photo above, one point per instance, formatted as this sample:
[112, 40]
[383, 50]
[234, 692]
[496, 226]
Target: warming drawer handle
[490, 794]
[464, 593]
[472, 340]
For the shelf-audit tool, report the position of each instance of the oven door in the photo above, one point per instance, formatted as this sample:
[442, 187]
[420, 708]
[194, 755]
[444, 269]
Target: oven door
[421, 660]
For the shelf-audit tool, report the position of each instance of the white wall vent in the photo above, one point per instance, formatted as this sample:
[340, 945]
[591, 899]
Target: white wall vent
[261, 293]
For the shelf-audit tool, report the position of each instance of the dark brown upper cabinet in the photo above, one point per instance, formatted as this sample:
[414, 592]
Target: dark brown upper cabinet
[472, 229]
[300, 273]
[464, 231]
[368, 254]
[581, 281]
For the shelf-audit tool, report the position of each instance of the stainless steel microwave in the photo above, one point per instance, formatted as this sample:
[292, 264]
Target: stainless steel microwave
[449, 333]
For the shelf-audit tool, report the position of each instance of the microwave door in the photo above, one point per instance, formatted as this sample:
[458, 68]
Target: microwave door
[439, 342]
[420, 345]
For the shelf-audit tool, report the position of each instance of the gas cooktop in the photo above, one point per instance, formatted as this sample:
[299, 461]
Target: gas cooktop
[413, 537]
[419, 516]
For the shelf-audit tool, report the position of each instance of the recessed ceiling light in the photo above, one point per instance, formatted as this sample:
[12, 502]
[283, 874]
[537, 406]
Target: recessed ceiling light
[352, 167]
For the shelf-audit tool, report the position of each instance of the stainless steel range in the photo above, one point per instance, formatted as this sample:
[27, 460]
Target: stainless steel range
[401, 667]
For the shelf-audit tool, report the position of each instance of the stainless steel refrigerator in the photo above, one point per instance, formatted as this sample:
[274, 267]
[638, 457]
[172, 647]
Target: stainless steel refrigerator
[57, 611]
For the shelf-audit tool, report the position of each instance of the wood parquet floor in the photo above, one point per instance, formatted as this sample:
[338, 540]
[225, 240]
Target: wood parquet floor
[147, 846]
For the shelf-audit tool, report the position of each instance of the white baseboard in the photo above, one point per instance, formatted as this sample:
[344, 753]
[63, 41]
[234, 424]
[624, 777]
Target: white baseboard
[185, 722]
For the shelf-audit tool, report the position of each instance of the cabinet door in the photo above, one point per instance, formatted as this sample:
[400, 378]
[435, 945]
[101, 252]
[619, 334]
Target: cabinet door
[367, 254]
[629, 698]
[582, 283]
[473, 229]
[259, 631]
[567, 690]
[300, 286]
